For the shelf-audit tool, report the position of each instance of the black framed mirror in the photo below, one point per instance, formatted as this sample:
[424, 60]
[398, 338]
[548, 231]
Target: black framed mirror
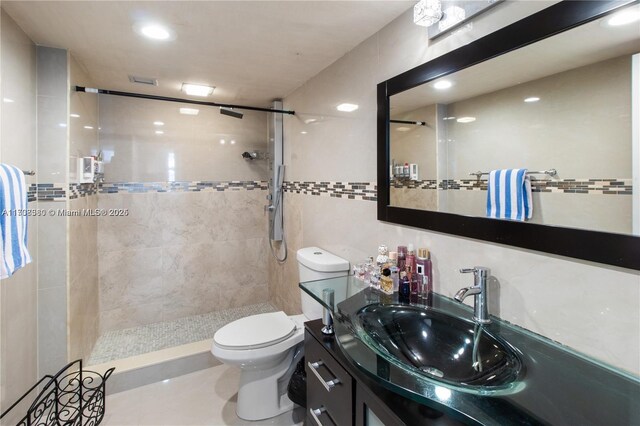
[501, 67]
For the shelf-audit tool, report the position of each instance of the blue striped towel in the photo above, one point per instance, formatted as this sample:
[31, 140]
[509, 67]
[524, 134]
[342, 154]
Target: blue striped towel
[13, 221]
[509, 195]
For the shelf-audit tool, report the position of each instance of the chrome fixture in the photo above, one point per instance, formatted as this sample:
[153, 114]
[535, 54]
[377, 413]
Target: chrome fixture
[550, 172]
[327, 319]
[479, 291]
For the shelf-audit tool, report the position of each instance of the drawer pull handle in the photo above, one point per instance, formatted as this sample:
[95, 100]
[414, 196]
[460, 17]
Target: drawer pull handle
[315, 413]
[328, 385]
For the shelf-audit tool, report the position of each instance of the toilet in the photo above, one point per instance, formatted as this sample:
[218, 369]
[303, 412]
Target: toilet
[267, 347]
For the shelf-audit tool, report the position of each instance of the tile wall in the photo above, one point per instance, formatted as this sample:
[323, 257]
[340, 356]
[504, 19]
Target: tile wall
[18, 294]
[83, 301]
[592, 308]
[193, 239]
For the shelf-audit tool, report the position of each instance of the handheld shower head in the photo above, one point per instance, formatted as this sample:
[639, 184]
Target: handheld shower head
[249, 155]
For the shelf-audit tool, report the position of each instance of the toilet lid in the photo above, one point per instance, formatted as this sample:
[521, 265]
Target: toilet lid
[256, 331]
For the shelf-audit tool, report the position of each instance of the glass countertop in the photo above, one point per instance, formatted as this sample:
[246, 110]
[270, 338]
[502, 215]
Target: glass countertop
[556, 385]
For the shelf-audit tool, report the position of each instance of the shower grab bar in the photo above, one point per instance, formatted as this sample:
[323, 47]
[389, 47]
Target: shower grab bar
[550, 172]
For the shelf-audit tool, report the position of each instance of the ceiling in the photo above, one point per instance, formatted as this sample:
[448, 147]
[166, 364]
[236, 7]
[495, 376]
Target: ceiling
[562, 52]
[252, 51]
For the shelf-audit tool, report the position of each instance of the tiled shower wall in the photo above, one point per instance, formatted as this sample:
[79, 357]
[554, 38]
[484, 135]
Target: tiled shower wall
[83, 308]
[592, 308]
[193, 238]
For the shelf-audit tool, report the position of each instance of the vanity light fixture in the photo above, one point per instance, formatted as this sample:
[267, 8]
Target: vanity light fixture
[427, 12]
[442, 85]
[466, 119]
[159, 132]
[153, 31]
[189, 111]
[158, 123]
[74, 115]
[347, 107]
[532, 99]
[197, 89]
[624, 17]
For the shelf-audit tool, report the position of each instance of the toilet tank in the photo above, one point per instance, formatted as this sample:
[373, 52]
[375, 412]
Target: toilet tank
[314, 264]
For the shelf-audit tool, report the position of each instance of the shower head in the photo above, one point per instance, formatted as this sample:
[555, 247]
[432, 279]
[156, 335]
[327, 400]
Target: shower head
[231, 113]
[249, 155]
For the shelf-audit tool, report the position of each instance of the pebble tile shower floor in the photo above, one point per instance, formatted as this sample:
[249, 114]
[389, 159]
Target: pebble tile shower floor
[134, 341]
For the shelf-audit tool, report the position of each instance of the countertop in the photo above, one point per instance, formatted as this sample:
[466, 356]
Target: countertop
[557, 385]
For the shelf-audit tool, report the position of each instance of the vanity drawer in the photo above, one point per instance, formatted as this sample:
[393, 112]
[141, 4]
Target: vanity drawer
[329, 387]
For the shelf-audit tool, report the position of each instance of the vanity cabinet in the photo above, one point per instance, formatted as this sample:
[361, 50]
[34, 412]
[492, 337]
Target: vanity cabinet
[338, 394]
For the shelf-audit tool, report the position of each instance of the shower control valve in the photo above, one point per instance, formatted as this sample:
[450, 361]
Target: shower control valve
[269, 208]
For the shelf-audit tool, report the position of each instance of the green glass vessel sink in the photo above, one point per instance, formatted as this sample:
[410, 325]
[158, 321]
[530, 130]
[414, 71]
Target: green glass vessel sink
[438, 346]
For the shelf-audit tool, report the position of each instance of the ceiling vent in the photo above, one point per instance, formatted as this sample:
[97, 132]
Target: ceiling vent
[143, 80]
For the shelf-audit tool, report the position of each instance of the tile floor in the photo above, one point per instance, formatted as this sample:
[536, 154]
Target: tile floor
[206, 397]
[134, 341]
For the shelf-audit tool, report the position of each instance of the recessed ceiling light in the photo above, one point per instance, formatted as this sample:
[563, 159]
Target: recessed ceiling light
[347, 107]
[403, 129]
[74, 115]
[154, 31]
[7, 100]
[624, 17]
[466, 119]
[189, 111]
[159, 132]
[443, 84]
[222, 141]
[88, 127]
[532, 99]
[158, 123]
[197, 89]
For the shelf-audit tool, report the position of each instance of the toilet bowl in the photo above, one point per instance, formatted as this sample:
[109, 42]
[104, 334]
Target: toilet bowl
[267, 347]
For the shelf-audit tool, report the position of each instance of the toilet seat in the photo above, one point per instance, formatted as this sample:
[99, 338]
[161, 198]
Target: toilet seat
[256, 331]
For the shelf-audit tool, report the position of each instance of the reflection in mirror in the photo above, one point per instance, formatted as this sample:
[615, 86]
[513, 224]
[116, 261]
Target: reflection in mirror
[560, 103]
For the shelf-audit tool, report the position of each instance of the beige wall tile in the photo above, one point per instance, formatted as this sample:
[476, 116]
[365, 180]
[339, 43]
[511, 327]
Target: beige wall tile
[536, 291]
[18, 294]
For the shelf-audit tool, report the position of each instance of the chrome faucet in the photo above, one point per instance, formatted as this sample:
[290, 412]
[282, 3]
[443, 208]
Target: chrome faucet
[478, 291]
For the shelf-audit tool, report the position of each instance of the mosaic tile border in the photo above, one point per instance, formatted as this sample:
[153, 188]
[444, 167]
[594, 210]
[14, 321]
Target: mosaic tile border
[78, 190]
[573, 186]
[49, 191]
[185, 186]
[351, 190]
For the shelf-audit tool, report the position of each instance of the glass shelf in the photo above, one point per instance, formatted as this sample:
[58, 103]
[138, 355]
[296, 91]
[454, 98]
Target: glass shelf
[343, 288]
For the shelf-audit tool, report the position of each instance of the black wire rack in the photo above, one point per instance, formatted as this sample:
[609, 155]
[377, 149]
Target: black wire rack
[72, 397]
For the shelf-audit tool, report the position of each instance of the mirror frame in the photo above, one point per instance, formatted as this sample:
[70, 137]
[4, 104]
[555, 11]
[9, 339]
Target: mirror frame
[602, 247]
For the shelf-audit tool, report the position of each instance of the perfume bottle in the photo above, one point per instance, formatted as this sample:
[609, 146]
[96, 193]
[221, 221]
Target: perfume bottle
[405, 288]
[402, 255]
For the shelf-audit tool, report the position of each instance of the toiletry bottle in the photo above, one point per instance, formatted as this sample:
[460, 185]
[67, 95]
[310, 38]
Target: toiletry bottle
[421, 262]
[405, 170]
[369, 267]
[411, 258]
[428, 270]
[386, 283]
[395, 276]
[405, 288]
[393, 258]
[402, 255]
[415, 283]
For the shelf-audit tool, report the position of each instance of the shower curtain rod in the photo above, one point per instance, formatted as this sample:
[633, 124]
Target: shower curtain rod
[184, 101]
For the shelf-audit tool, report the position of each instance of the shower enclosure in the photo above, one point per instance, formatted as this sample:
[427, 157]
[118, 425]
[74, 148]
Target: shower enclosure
[182, 249]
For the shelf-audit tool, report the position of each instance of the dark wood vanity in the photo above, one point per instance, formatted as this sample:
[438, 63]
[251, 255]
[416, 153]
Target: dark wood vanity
[354, 399]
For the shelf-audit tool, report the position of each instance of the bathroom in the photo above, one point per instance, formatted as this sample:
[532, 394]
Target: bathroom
[187, 249]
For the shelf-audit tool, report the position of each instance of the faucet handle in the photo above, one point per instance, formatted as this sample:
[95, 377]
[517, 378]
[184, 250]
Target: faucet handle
[468, 270]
